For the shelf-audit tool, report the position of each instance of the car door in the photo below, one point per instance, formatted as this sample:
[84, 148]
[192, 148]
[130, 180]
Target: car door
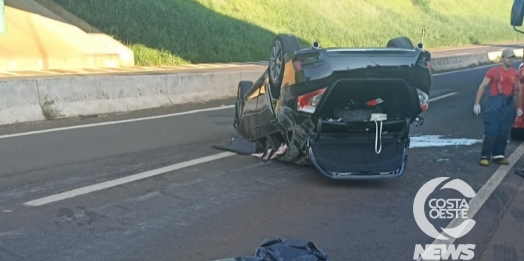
[265, 119]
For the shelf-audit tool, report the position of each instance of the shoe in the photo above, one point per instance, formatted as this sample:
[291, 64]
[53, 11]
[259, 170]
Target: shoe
[501, 161]
[484, 162]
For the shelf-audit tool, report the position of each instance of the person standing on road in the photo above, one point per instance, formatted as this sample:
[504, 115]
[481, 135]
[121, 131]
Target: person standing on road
[504, 82]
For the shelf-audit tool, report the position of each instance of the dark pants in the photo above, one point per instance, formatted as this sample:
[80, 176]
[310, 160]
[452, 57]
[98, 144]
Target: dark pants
[498, 118]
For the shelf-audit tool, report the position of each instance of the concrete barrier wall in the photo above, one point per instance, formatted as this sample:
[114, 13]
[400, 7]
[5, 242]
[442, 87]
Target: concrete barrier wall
[50, 98]
[67, 97]
[190, 88]
[464, 61]
[19, 102]
[457, 62]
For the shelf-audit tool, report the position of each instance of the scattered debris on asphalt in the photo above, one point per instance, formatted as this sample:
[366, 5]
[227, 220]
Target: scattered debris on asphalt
[284, 250]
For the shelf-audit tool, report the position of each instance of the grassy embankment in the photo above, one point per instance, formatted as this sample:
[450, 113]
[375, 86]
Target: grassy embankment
[175, 32]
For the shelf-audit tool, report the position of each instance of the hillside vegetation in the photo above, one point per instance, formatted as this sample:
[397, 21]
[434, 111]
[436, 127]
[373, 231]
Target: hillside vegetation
[207, 31]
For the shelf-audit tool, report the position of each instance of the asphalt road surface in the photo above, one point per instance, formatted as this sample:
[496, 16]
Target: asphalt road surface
[212, 208]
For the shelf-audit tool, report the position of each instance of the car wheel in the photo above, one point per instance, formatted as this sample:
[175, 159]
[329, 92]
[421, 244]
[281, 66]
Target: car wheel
[283, 44]
[243, 88]
[400, 42]
[517, 134]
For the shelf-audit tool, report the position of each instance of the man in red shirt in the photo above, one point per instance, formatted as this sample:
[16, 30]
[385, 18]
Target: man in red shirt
[504, 82]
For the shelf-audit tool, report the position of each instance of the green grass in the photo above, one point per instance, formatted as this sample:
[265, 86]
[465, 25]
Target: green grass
[175, 32]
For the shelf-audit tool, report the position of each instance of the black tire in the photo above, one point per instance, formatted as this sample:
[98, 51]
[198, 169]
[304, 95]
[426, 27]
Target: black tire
[517, 134]
[243, 87]
[282, 45]
[400, 42]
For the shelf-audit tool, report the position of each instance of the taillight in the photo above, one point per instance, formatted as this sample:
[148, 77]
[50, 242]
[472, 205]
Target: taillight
[423, 99]
[309, 101]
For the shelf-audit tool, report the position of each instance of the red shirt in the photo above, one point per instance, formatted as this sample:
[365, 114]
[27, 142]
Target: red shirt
[507, 80]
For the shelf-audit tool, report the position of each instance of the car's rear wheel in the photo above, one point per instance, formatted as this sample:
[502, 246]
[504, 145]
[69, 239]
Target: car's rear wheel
[400, 42]
[283, 44]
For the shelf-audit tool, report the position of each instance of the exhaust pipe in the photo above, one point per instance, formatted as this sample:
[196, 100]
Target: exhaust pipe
[315, 45]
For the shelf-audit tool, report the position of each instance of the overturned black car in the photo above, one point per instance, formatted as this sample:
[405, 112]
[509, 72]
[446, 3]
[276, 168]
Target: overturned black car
[348, 111]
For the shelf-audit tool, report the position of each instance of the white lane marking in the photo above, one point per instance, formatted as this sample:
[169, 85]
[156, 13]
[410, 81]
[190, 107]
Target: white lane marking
[114, 122]
[442, 96]
[120, 181]
[482, 195]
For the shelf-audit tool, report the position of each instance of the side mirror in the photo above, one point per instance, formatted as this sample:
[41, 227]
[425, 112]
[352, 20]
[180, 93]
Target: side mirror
[517, 13]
